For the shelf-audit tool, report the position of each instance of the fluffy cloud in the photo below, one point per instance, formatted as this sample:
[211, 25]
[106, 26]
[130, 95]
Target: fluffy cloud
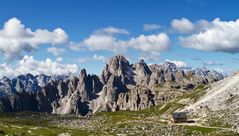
[104, 42]
[112, 30]
[150, 43]
[182, 25]
[202, 25]
[56, 51]
[16, 39]
[145, 43]
[29, 64]
[220, 36]
[151, 27]
[185, 26]
[179, 64]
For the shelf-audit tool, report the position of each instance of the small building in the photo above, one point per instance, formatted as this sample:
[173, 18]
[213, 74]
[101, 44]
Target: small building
[178, 117]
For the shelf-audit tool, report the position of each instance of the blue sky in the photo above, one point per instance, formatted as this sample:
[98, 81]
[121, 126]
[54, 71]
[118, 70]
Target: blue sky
[81, 19]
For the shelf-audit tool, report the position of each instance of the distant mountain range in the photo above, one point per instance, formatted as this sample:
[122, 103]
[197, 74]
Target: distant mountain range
[121, 86]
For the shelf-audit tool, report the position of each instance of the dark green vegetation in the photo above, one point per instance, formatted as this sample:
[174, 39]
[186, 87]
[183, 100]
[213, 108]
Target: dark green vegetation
[152, 121]
[104, 123]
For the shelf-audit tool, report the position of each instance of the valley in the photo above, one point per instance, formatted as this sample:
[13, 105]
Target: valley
[126, 99]
[151, 121]
[119, 68]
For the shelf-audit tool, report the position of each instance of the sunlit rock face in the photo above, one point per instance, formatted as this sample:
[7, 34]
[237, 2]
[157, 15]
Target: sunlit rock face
[121, 86]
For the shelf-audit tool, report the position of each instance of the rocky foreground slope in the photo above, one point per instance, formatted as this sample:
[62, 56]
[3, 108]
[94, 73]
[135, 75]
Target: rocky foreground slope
[219, 96]
[121, 86]
[220, 103]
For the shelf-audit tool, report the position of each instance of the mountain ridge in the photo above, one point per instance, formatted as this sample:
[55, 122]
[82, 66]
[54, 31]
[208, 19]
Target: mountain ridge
[121, 86]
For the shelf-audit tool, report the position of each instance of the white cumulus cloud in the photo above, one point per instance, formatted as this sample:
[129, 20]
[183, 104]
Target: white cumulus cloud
[104, 42]
[182, 25]
[145, 43]
[221, 36]
[29, 65]
[150, 43]
[16, 39]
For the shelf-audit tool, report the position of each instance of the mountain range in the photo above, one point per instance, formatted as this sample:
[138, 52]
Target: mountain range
[121, 86]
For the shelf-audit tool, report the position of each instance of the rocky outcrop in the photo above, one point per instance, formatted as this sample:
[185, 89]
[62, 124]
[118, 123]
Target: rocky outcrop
[142, 72]
[136, 99]
[121, 86]
[140, 98]
[120, 67]
[222, 95]
[157, 76]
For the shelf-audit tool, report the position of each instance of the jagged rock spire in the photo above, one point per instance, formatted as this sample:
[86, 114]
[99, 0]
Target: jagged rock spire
[121, 86]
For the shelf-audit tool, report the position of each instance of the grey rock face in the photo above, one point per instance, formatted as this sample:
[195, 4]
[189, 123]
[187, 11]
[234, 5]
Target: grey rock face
[203, 75]
[121, 86]
[83, 86]
[120, 67]
[157, 76]
[169, 69]
[140, 98]
[142, 72]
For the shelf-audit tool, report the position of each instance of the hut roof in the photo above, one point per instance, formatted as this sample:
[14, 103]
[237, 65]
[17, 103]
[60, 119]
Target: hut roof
[179, 115]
